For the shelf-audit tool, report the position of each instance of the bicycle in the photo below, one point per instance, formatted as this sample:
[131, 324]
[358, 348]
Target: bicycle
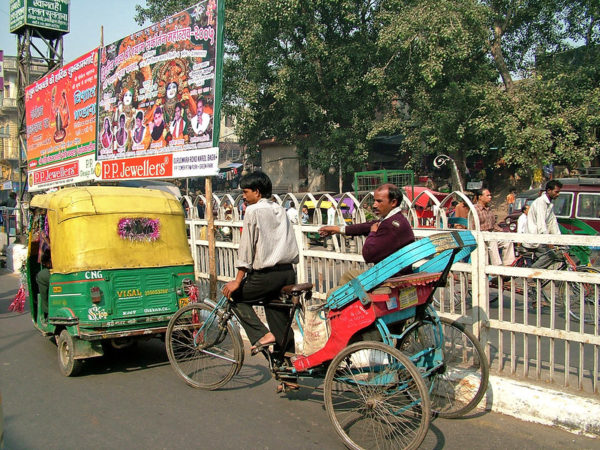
[376, 393]
[582, 297]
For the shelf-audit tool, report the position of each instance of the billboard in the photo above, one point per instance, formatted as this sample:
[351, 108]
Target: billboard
[48, 14]
[61, 124]
[159, 96]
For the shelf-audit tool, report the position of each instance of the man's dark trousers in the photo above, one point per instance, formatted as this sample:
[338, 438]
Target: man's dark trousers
[264, 286]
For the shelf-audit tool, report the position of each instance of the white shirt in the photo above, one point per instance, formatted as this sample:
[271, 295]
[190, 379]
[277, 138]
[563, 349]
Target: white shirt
[292, 214]
[331, 216]
[267, 238]
[541, 218]
[522, 223]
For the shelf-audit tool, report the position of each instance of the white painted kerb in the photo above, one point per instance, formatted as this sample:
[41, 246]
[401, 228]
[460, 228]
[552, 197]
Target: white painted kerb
[545, 406]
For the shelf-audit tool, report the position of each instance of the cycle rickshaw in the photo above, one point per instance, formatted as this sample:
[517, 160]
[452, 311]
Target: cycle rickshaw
[378, 393]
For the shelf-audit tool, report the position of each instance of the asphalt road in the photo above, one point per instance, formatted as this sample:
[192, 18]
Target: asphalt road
[134, 400]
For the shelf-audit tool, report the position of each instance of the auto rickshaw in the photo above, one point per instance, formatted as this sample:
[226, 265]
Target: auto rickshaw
[120, 267]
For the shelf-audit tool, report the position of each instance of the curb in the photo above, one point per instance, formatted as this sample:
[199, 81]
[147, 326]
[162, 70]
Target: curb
[531, 403]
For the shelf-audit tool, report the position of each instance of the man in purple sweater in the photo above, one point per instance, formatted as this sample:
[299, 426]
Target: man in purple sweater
[384, 236]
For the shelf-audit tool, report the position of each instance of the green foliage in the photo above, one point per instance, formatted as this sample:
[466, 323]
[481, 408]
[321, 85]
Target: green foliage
[460, 77]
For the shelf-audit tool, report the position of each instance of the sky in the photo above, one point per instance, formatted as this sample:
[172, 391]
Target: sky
[87, 16]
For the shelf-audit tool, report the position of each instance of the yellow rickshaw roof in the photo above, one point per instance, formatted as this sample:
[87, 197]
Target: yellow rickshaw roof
[74, 202]
[84, 228]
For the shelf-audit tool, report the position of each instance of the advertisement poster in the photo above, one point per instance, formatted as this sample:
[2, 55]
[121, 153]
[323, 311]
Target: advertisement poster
[158, 99]
[61, 124]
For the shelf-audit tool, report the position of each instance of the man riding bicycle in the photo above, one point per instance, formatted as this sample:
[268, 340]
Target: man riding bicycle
[265, 257]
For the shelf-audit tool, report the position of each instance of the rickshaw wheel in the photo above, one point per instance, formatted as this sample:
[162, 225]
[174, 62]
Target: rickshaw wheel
[200, 351]
[461, 384]
[68, 365]
[375, 398]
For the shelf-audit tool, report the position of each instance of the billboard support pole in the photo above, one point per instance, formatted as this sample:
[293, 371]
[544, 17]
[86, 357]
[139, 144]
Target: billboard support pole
[212, 260]
[53, 58]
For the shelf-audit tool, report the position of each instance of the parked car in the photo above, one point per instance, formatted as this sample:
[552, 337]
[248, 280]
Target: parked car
[579, 198]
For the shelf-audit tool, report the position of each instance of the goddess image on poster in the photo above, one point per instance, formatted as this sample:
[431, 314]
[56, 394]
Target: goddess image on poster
[61, 115]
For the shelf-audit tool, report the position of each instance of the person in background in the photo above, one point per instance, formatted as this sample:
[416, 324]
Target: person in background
[305, 216]
[292, 214]
[201, 207]
[331, 215]
[43, 281]
[522, 220]
[542, 220]
[461, 210]
[487, 222]
[510, 201]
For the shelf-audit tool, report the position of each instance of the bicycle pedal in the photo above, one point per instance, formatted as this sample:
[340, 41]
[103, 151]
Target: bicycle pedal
[286, 386]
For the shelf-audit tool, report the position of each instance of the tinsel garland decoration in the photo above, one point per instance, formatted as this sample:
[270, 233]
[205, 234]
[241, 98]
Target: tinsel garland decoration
[139, 229]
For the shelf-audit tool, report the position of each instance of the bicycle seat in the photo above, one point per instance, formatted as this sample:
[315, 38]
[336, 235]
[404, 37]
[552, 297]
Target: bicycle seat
[295, 289]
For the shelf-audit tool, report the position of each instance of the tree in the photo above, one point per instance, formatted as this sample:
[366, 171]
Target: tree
[443, 63]
[295, 71]
[460, 77]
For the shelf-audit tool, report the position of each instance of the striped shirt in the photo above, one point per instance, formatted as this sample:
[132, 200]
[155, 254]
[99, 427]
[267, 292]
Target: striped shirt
[487, 219]
[267, 238]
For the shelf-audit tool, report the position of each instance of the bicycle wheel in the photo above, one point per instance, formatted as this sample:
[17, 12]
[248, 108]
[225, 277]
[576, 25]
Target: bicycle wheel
[376, 398]
[203, 352]
[584, 294]
[461, 384]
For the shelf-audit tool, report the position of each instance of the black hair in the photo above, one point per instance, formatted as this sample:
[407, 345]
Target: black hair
[524, 208]
[257, 181]
[550, 185]
[46, 259]
[479, 192]
[178, 105]
[394, 192]
[139, 115]
[13, 195]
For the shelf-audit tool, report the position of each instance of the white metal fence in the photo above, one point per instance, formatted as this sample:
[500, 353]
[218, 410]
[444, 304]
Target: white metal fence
[546, 344]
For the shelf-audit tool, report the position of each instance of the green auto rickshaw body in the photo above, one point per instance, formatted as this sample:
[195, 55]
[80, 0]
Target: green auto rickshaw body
[121, 264]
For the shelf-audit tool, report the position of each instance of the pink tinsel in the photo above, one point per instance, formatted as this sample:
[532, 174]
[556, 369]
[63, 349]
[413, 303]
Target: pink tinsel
[18, 304]
[193, 293]
[139, 229]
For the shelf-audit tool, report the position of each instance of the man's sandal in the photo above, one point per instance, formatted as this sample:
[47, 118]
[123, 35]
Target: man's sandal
[256, 349]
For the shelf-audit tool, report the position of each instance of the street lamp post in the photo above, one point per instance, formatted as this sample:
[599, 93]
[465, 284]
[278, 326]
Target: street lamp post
[441, 160]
